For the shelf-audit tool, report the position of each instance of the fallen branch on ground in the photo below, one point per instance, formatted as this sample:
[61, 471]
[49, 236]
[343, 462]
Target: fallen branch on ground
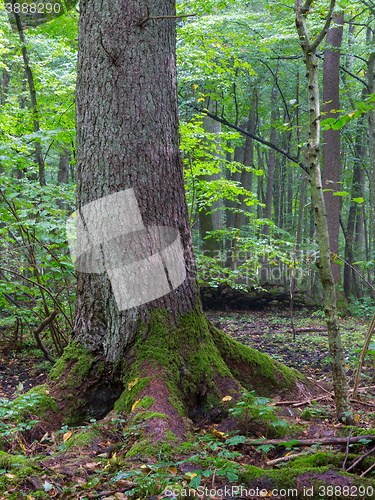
[310, 442]
[284, 459]
[360, 458]
[304, 330]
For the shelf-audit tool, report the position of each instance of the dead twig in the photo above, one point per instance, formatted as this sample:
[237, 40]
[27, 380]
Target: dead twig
[368, 470]
[41, 346]
[149, 18]
[305, 330]
[367, 403]
[300, 403]
[310, 442]
[284, 459]
[360, 458]
[310, 400]
[107, 493]
[114, 59]
[347, 449]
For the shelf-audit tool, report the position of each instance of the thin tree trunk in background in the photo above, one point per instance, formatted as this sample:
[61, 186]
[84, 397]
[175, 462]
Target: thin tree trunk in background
[359, 237]
[30, 81]
[289, 213]
[4, 85]
[246, 181]
[343, 409]
[276, 195]
[331, 138]
[211, 221]
[63, 169]
[229, 204]
[371, 159]
[62, 173]
[301, 210]
[271, 162]
[248, 158]
[260, 193]
[354, 211]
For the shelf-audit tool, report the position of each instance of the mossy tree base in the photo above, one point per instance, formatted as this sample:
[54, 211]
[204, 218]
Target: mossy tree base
[176, 372]
[314, 476]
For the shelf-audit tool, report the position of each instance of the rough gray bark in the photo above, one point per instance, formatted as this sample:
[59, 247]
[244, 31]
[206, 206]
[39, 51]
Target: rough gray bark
[331, 138]
[343, 409]
[127, 137]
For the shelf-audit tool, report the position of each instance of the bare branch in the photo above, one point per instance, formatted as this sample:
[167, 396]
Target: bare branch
[249, 134]
[326, 26]
[301, 25]
[306, 7]
[149, 18]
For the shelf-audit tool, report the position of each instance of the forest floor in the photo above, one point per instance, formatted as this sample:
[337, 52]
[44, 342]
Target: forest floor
[71, 467]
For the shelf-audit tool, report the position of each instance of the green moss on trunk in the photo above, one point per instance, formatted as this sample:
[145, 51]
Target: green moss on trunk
[197, 363]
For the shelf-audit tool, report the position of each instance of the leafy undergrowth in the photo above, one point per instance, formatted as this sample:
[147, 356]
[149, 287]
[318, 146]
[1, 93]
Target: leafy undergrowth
[110, 459]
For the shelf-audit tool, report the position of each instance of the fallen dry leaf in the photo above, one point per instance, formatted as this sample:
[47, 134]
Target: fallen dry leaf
[67, 435]
[94, 465]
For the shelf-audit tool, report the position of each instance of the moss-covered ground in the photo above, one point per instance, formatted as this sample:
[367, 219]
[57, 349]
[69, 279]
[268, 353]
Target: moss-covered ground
[114, 458]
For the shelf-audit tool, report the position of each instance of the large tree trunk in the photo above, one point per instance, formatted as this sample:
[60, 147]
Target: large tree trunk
[161, 352]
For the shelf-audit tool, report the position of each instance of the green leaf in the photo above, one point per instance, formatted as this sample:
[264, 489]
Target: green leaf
[358, 200]
[233, 441]
[231, 476]
[196, 481]
[341, 193]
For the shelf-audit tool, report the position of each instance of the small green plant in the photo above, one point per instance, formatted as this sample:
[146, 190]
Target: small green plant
[319, 313]
[252, 407]
[315, 410]
[362, 307]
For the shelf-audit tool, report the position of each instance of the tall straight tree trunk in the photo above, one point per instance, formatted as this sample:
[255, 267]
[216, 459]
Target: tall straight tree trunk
[371, 134]
[246, 179]
[354, 212]
[343, 409]
[271, 162]
[30, 81]
[260, 193]
[331, 138]
[301, 210]
[141, 341]
[210, 220]
[229, 204]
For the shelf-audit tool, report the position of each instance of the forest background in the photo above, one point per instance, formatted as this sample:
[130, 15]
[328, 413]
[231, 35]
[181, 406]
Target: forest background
[242, 88]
